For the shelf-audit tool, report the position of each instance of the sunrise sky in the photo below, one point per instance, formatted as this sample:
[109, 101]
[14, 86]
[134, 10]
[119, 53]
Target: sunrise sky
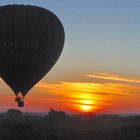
[99, 69]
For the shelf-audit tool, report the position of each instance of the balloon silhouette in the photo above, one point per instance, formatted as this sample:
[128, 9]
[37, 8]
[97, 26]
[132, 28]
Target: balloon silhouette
[31, 41]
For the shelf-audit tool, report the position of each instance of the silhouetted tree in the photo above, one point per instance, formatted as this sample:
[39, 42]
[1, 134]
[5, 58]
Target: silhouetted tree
[56, 115]
[14, 114]
[59, 126]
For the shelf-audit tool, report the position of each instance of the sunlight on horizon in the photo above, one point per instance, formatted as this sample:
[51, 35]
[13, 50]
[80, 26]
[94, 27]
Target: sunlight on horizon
[95, 96]
[104, 96]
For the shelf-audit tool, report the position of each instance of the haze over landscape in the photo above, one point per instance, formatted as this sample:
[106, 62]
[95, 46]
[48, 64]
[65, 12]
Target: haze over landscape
[98, 70]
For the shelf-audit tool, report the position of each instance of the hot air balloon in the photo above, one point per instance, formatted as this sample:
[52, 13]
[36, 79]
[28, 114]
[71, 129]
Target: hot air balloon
[31, 41]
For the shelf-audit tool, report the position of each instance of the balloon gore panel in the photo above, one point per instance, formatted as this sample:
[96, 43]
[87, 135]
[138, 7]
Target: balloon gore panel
[31, 41]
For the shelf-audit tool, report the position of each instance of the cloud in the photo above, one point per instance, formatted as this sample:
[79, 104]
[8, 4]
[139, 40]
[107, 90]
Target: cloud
[114, 77]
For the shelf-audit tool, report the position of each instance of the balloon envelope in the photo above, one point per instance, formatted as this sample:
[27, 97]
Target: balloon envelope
[31, 41]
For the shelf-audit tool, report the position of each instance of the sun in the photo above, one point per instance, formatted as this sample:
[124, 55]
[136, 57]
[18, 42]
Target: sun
[86, 107]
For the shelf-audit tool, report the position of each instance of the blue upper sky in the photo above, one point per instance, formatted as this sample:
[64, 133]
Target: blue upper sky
[101, 36]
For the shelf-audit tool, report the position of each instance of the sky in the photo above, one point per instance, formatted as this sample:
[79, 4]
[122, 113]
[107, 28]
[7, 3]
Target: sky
[98, 70]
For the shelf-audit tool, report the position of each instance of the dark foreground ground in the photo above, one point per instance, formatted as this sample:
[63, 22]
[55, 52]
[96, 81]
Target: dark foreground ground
[56, 125]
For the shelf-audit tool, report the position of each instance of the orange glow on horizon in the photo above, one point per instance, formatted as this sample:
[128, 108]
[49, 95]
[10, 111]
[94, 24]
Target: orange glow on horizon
[104, 96]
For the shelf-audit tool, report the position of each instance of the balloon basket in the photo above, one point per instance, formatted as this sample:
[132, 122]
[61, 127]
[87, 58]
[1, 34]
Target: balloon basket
[21, 104]
[20, 101]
